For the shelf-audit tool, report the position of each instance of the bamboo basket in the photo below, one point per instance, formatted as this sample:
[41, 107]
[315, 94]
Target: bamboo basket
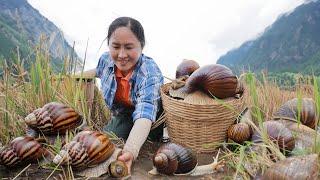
[196, 126]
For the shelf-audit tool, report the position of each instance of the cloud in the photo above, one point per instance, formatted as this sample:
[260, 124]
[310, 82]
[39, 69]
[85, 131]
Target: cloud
[200, 30]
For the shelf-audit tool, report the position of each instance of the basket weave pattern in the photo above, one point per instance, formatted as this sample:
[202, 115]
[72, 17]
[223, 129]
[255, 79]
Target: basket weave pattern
[196, 125]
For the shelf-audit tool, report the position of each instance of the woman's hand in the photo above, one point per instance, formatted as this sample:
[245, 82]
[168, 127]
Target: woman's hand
[127, 157]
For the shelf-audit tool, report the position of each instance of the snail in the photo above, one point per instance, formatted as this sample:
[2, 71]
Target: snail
[174, 159]
[278, 133]
[298, 167]
[217, 80]
[186, 68]
[53, 118]
[118, 169]
[240, 131]
[86, 149]
[111, 166]
[306, 110]
[304, 136]
[22, 150]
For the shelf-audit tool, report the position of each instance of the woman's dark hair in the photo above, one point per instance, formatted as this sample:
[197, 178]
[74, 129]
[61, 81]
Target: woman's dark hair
[132, 24]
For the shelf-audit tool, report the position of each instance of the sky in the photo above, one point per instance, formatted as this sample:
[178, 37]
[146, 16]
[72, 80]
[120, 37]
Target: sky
[175, 30]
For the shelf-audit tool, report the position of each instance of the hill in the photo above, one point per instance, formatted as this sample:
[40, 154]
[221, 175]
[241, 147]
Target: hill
[290, 44]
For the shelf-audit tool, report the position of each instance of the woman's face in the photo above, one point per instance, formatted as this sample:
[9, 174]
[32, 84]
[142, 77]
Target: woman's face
[125, 49]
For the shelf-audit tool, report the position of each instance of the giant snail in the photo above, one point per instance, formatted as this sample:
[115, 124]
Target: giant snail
[303, 110]
[215, 80]
[22, 150]
[53, 118]
[174, 159]
[296, 168]
[89, 149]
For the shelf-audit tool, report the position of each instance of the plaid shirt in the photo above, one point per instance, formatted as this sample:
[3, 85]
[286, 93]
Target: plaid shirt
[145, 85]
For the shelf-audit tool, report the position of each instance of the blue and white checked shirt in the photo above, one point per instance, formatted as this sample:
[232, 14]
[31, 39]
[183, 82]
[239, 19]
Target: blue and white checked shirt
[145, 85]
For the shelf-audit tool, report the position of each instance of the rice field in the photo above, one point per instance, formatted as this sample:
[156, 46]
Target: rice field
[23, 91]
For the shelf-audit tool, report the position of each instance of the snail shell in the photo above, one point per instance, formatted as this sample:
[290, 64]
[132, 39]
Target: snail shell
[278, 133]
[20, 151]
[299, 167]
[118, 169]
[87, 148]
[53, 118]
[290, 110]
[215, 79]
[172, 158]
[239, 132]
[186, 67]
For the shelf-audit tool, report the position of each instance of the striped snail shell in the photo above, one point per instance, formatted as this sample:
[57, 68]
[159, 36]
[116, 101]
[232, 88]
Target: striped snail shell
[172, 158]
[298, 167]
[186, 67]
[53, 118]
[215, 79]
[239, 132]
[87, 148]
[20, 151]
[306, 110]
[278, 133]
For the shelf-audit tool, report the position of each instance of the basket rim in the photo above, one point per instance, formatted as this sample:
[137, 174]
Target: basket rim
[163, 93]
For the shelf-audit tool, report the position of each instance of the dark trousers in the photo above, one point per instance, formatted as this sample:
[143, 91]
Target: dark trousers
[122, 123]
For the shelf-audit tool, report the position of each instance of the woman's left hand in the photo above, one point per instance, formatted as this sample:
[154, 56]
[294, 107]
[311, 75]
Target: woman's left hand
[127, 157]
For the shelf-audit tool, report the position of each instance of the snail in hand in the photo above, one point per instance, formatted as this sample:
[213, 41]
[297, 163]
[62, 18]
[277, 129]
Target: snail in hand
[53, 118]
[22, 150]
[87, 149]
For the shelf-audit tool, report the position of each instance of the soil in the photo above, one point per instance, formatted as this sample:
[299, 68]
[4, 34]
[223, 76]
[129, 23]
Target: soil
[140, 169]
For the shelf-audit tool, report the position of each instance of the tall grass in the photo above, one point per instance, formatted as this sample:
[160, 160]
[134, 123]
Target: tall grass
[264, 98]
[21, 92]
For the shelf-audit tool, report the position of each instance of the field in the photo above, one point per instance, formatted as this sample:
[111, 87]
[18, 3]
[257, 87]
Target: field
[21, 92]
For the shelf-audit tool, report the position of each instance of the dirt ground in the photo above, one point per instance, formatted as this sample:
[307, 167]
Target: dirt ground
[140, 169]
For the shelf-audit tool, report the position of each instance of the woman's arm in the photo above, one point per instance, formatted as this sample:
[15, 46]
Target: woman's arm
[137, 137]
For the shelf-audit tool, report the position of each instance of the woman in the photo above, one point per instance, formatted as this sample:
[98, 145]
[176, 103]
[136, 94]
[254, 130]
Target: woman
[130, 84]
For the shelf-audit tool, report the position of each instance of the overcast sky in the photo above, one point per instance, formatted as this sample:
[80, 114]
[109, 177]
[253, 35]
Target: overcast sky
[202, 30]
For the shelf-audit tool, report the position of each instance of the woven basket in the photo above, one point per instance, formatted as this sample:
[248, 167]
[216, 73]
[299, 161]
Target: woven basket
[196, 126]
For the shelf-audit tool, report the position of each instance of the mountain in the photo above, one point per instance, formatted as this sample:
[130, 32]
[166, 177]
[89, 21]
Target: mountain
[290, 44]
[21, 25]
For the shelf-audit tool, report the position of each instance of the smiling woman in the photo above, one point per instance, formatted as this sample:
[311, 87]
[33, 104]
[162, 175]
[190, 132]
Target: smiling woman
[130, 83]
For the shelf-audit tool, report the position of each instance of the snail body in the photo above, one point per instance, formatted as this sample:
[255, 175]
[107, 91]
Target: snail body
[217, 80]
[306, 111]
[172, 158]
[186, 68]
[87, 148]
[53, 118]
[277, 133]
[239, 132]
[20, 151]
